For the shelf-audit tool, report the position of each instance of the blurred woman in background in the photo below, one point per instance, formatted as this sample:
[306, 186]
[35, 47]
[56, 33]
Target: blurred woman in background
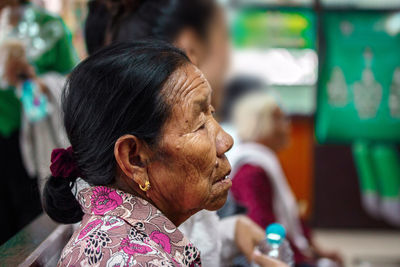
[259, 183]
[197, 27]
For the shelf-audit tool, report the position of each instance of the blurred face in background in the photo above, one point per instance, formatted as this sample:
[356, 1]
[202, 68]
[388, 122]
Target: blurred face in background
[5, 3]
[15, 12]
[215, 62]
[280, 133]
[210, 53]
[198, 27]
[258, 118]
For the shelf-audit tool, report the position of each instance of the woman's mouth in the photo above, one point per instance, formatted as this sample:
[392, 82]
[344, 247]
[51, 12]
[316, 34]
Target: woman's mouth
[223, 178]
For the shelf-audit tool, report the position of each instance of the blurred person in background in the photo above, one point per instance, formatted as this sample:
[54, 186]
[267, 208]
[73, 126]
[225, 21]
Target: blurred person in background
[259, 183]
[198, 27]
[35, 53]
[235, 89]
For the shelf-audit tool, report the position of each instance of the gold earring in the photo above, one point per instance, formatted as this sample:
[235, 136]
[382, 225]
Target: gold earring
[146, 186]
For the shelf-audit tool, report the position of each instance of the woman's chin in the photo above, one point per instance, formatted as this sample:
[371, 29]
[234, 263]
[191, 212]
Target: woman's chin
[219, 194]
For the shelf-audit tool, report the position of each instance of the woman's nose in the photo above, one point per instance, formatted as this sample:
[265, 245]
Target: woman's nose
[224, 142]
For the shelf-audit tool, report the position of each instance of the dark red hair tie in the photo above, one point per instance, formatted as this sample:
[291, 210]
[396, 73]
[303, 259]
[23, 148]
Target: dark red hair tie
[63, 163]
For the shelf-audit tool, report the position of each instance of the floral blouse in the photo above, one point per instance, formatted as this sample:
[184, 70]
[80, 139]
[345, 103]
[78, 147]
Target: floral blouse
[119, 229]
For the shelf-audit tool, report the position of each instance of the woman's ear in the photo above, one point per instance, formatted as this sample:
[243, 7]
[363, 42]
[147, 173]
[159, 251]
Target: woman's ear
[131, 155]
[189, 41]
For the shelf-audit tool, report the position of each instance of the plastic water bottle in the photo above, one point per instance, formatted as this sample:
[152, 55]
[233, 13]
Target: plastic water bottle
[275, 245]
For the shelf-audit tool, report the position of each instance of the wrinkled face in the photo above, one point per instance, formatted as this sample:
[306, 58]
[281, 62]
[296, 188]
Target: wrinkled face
[190, 173]
[216, 57]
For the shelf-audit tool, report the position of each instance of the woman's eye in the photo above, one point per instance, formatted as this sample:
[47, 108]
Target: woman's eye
[203, 126]
[212, 110]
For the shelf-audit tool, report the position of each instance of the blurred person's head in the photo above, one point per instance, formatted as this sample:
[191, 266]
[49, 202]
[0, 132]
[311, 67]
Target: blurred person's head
[138, 113]
[14, 65]
[258, 118]
[197, 27]
[11, 3]
[95, 25]
[234, 90]
[15, 12]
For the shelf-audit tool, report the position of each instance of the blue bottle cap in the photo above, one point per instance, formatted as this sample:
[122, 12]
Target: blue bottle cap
[276, 233]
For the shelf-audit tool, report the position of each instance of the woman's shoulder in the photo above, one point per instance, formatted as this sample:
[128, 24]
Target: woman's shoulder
[121, 229]
[110, 241]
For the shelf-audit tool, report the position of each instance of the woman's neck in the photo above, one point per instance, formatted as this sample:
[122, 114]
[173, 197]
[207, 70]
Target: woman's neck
[132, 188]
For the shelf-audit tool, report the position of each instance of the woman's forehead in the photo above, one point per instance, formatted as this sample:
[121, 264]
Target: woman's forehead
[187, 83]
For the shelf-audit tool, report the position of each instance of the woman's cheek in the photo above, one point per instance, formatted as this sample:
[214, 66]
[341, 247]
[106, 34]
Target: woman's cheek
[199, 161]
[191, 156]
[200, 152]
[195, 195]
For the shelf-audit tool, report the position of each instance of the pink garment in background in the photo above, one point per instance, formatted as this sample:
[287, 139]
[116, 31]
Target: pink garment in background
[251, 188]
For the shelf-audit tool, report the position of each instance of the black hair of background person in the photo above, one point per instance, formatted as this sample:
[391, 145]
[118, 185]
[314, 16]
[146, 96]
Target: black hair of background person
[134, 20]
[116, 91]
[95, 25]
[236, 89]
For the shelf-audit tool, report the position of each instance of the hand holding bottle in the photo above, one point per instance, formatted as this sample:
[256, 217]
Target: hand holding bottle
[265, 261]
[275, 245]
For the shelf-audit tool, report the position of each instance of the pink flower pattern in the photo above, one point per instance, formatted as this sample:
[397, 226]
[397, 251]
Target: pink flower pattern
[119, 229]
[104, 199]
[161, 239]
[131, 247]
[88, 228]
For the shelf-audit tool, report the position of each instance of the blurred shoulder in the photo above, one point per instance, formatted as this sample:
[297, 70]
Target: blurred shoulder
[251, 170]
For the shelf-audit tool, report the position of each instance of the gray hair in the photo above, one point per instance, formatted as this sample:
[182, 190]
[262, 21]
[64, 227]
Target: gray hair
[252, 115]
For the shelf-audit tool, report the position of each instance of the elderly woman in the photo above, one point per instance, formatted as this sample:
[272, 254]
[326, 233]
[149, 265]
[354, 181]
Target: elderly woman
[142, 131]
[197, 27]
[259, 183]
